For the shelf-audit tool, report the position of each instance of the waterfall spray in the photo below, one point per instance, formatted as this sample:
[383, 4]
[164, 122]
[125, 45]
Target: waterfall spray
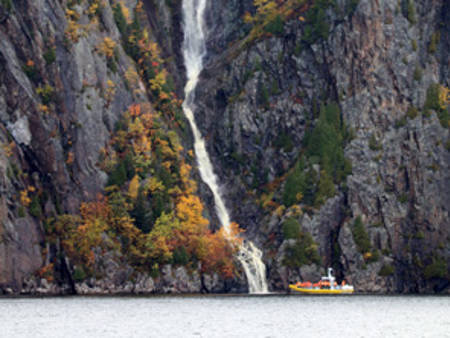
[194, 50]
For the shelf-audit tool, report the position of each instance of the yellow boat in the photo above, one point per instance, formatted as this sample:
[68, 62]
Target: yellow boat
[321, 291]
[327, 286]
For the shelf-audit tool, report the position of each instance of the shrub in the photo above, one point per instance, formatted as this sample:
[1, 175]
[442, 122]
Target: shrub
[432, 47]
[180, 256]
[411, 12]
[437, 269]
[372, 256]
[360, 236]
[30, 70]
[119, 18]
[386, 270]
[295, 184]
[303, 252]
[291, 228]
[412, 112]
[35, 207]
[79, 275]
[21, 212]
[46, 93]
[284, 141]
[418, 73]
[275, 26]
[403, 198]
[373, 143]
[435, 102]
[50, 56]
[325, 188]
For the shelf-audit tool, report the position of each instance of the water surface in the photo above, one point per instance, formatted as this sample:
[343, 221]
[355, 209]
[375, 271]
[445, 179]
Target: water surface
[226, 316]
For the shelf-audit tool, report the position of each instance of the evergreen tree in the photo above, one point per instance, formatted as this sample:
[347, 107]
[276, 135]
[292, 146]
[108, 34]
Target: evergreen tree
[142, 213]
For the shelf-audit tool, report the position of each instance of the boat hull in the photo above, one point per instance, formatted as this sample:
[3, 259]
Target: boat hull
[321, 291]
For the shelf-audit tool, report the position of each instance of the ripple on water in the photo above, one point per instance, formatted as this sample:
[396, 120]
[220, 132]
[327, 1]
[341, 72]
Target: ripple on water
[227, 316]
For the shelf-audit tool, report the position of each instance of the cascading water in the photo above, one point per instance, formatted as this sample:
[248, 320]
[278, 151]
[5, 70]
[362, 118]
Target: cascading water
[194, 50]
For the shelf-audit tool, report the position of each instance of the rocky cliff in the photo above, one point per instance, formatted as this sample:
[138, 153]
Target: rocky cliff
[327, 124]
[259, 102]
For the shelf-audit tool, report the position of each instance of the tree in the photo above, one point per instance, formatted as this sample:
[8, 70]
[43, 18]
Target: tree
[295, 184]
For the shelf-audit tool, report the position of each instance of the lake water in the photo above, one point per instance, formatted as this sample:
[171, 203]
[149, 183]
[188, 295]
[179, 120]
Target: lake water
[226, 316]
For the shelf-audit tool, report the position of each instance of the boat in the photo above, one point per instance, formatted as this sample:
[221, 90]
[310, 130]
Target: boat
[326, 286]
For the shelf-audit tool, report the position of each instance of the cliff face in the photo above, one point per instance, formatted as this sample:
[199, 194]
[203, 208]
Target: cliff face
[378, 61]
[61, 95]
[383, 225]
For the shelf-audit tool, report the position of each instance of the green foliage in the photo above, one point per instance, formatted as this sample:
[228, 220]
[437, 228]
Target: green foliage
[373, 143]
[373, 256]
[411, 12]
[275, 26]
[326, 142]
[21, 212]
[291, 228]
[46, 93]
[119, 18]
[79, 275]
[118, 176]
[435, 38]
[6, 4]
[419, 235]
[50, 56]
[360, 236]
[142, 213]
[414, 45]
[263, 96]
[437, 269]
[284, 141]
[325, 189]
[295, 184]
[351, 6]
[412, 112]
[123, 172]
[403, 198]
[180, 256]
[31, 71]
[303, 252]
[386, 270]
[433, 102]
[418, 73]
[324, 145]
[318, 26]
[35, 207]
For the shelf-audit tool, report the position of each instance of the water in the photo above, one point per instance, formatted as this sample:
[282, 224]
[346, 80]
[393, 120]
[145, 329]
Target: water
[227, 316]
[194, 51]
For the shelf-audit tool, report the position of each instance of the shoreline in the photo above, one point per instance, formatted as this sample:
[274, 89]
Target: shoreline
[217, 295]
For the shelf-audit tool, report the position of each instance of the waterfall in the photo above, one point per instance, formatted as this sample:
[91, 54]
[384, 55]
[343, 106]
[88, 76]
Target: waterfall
[194, 50]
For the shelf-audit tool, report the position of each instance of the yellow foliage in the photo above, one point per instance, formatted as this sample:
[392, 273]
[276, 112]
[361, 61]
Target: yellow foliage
[133, 189]
[155, 185]
[43, 108]
[280, 210]
[444, 97]
[9, 149]
[24, 198]
[106, 47]
[157, 83]
[125, 12]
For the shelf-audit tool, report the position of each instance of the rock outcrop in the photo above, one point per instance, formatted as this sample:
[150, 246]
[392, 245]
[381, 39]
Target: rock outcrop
[256, 104]
[61, 95]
